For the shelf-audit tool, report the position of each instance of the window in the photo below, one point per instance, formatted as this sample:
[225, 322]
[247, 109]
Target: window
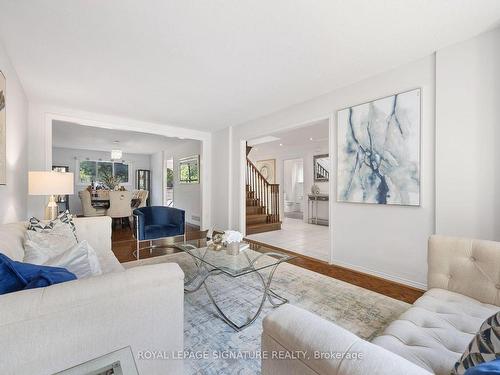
[189, 170]
[98, 171]
[87, 171]
[104, 170]
[121, 171]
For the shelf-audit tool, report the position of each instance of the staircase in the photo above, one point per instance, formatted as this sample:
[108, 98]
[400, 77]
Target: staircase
[321, 172]
[262, 202]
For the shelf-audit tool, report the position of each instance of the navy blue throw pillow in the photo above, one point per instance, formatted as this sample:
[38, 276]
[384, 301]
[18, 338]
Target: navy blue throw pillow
[485, 368]
[15, 276]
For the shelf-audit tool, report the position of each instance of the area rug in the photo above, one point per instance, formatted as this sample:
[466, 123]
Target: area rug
[225, 351]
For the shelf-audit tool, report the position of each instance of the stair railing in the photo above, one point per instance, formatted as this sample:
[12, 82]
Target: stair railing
[267, 194]
[321, 172]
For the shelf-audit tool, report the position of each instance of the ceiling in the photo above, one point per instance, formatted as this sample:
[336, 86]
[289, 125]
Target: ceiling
[70, 135]
[211, 64]
[313, 136]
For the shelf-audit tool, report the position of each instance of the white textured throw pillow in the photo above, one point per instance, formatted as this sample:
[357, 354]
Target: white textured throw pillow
[81, 260]
[64, 218]
[39, 247]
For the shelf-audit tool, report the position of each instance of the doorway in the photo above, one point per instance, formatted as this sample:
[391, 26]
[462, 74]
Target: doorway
[293, 188]
[296, 163]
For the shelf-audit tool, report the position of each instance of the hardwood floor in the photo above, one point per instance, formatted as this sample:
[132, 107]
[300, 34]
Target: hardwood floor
[124, 245]
[377, 284]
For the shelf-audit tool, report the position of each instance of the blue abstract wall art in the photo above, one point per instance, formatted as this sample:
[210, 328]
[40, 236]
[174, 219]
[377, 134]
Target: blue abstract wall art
[379, 151]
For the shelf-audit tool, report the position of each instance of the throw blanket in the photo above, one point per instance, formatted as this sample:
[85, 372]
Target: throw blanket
[15, 276]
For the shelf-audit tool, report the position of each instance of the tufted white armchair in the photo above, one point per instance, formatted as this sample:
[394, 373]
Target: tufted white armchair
[465, 266]
[464, 289]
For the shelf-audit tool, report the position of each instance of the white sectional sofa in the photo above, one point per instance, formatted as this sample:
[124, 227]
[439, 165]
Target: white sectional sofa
[464, 290]
[47, 330]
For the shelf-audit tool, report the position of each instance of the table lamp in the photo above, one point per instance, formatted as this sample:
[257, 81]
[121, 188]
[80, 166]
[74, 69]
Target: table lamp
[50, 183]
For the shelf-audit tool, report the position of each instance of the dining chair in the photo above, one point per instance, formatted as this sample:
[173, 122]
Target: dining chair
[88, 209]
[143, 196]
[120, 205]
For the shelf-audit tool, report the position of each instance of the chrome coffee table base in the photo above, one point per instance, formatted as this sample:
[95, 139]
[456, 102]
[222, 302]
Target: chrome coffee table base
[204, 271]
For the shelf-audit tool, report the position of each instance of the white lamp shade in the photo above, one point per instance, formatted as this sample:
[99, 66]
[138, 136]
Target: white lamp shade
[116, 154]
[50, 183]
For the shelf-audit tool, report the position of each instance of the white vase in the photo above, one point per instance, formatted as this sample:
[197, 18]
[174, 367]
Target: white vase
[233, 248]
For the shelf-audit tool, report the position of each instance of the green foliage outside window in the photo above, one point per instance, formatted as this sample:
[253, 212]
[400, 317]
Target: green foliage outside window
[170, 178]
[87, 171]
[109, 173]
[189, 170]
[104, 169]
[121, 171]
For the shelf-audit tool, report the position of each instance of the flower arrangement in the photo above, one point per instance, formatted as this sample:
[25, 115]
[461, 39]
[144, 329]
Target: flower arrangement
[112, 182]
[231, 236]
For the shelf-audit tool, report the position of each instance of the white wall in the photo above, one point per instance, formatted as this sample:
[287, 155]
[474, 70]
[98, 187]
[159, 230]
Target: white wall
[468, 138]
[387, 241]
[68, 157]
[13, 195]
[156, 162]
[306, 153]
[221, 186]
[186, 196]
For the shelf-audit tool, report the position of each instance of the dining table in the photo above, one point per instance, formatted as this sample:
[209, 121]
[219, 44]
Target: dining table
[104, 203]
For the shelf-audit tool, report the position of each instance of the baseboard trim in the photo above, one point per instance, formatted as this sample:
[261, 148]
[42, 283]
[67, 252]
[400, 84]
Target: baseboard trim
[382, 275]
[193, 224]
[349, 266]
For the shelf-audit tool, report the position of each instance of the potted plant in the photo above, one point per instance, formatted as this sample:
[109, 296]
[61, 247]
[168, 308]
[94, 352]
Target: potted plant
[110, 181]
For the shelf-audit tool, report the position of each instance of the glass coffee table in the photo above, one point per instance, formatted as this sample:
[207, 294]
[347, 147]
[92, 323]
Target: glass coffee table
[210, 262]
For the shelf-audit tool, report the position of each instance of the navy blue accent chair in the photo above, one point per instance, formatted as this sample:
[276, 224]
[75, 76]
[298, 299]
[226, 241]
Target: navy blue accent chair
[155, 222]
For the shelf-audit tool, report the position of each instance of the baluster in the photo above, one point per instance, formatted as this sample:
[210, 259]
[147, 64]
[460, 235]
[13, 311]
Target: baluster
[265, 198]
[271, 203]
[261, 192]
[253, 181]
[258, 186]
[254, 186]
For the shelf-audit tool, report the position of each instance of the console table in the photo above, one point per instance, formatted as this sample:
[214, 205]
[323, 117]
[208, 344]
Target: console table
[312, 208]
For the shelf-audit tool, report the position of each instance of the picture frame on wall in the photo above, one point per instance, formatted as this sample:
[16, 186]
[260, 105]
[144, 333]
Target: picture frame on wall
[267, 169]
[3, 129]
[378, 150]
[321, 168]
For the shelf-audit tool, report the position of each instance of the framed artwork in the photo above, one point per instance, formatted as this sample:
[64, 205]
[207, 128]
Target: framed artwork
[321, 168]
[189, 170]
[268, 169]
[378, 151]
[3, 129]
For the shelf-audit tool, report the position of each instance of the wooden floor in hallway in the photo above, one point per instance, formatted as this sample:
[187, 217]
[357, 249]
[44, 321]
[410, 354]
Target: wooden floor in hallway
[124, 244]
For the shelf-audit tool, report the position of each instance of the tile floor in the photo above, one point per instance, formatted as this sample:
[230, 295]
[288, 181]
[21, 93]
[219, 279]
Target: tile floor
[307, 239]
